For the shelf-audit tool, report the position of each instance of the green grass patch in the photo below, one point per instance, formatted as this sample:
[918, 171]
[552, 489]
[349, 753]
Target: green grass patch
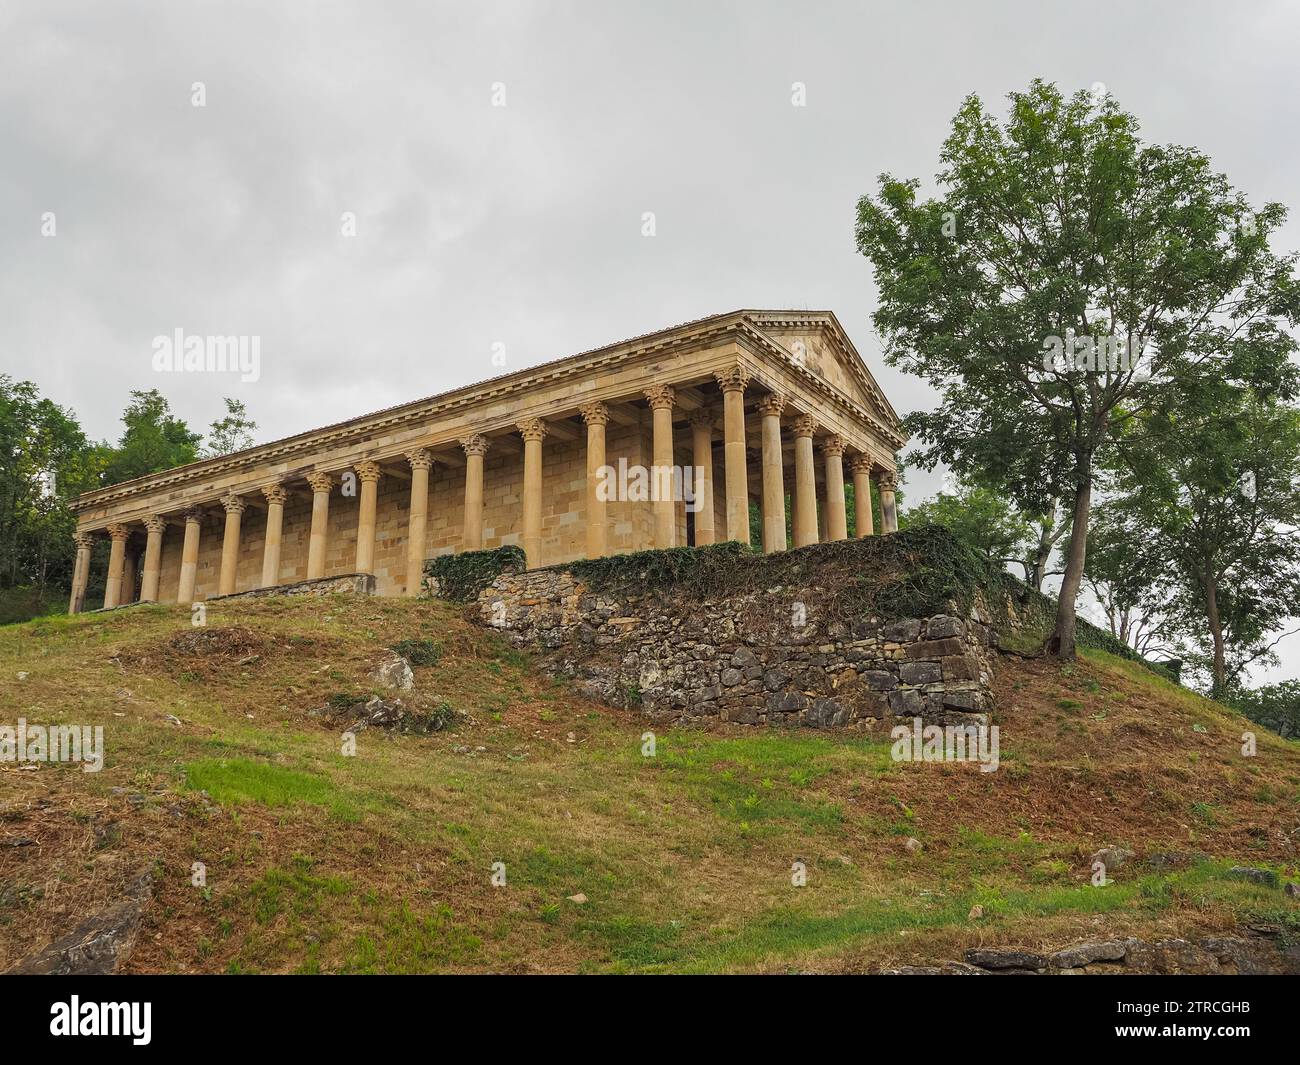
[231, 781]
[758, 781]
[295, 891]
[405, 941]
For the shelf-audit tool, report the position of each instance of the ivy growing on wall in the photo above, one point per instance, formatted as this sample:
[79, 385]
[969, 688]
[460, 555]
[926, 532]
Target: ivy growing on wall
[461, 577]
[913, 573]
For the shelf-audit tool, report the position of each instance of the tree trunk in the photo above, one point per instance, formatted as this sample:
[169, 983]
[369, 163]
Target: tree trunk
[1220, 679]
[1062, 641]
[1042, 554]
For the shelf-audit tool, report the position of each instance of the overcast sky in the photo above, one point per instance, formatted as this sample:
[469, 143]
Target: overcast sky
[479, 225]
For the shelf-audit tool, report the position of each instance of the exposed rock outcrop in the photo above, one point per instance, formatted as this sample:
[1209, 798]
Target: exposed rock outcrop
[100, 944]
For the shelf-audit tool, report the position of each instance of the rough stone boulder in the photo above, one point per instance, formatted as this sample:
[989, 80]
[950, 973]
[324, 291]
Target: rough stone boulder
[394, 672]
[100, 944]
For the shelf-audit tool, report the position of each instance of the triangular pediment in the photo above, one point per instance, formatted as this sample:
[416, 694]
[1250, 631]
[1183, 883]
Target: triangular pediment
[818, 341]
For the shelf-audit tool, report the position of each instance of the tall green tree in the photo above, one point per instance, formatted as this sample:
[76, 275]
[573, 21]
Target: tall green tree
[45, 462]
[232, 433]
[1057, 249]
[1132, 584]
[1207, 504]
[154, 439]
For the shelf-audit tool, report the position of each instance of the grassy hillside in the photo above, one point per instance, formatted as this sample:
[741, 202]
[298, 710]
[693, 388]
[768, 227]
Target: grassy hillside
[382, 862]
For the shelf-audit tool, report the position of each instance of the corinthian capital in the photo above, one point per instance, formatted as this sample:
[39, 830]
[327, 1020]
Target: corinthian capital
[419, 459]
[804, 425]
[704, 417]
[733, 379]
[660, 397]
[532, 428]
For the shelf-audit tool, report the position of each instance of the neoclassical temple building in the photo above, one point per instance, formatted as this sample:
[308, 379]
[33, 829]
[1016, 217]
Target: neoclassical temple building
[772, 406]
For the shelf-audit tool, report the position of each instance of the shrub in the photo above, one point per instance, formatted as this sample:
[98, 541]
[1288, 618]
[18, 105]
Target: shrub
[441, 716]
[418, 652]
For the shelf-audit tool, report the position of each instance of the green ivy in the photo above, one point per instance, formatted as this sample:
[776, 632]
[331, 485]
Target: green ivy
[461, 577]
[913, 573]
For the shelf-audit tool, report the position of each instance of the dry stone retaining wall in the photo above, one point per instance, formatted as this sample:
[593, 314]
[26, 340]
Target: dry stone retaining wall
[774, 657]
[346, 584]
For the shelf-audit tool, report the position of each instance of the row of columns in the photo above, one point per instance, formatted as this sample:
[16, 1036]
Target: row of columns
[533, 431]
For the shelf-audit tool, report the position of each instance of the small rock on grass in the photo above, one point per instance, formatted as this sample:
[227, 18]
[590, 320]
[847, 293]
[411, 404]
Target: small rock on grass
[394, 672]
[579, 898]
[1112, 857]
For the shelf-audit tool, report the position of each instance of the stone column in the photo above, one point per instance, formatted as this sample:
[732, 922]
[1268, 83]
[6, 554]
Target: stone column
[190, 556]
[80, 572]
[861, 467]
[154, 529]
[321, 486]
[475, 448]
[837, 519]
[805, 482]
[733, 383]
[660, 398]
[421, 462]
[888, 484]
[702, 457]
[789, 477]
[127, 595]
[771, 408]
[116, 562]
[596, 415]
[368, 474]
[533, 430]
[234, 507]
[276, 496]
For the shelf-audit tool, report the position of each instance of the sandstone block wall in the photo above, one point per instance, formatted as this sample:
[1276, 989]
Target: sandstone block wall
[777, 658]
